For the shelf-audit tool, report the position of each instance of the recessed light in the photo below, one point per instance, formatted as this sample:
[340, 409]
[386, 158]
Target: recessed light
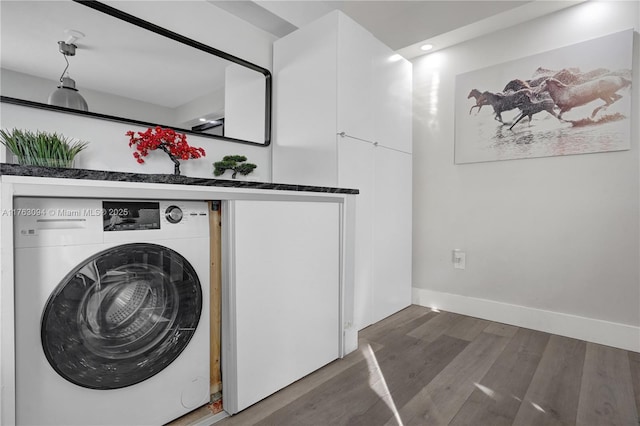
[426, 47]
[203, 119]
[394, 58]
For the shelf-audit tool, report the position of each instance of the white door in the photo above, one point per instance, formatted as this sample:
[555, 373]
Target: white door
[304, 105]
[283, 293]
[356, 100]
[355, 166]
[392, 237]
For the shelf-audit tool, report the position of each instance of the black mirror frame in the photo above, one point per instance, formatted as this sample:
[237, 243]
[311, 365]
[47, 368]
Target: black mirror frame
[180, 39]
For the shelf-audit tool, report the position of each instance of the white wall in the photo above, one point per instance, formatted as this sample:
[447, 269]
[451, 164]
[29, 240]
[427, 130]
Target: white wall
[552, 243]
[244, 100]
[209, 103]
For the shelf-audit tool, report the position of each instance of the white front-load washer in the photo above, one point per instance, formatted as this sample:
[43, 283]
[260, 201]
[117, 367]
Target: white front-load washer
[112, 310]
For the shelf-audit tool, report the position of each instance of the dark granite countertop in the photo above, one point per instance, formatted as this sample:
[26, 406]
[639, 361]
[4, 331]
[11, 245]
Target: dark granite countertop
[52, 172]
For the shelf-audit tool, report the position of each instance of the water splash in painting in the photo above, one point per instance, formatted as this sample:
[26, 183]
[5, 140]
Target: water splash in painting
[604, 119]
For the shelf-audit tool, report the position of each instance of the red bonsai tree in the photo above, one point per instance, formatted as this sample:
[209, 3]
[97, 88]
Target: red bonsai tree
[173, 143]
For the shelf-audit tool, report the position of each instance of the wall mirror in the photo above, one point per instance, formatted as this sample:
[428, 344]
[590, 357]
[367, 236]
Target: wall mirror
[131, 70]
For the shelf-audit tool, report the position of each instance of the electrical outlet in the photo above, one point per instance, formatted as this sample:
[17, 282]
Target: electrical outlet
[459, 259]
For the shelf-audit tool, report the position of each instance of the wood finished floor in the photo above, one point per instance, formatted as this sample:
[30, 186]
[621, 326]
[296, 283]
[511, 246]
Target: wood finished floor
[420, 367]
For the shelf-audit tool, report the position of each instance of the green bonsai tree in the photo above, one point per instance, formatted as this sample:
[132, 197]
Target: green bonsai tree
[235, 163]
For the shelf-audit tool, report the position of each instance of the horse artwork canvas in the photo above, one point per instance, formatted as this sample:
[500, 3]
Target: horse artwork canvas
[571, 100]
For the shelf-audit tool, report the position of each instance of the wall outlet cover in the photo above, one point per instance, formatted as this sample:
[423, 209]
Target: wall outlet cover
[459, 259]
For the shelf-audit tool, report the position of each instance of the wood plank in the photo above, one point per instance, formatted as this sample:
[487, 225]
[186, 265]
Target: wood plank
[400, 332]
[497, 398]
[439, 401]
[353, 391]
[634, 364]
[552, 397]
[296, 390]
[607, 395]
[407, 374]
[437, 326]
[363, 342]
[392, 322]
[349, 399]
[501, 329]
[467, 328]
[215, 295]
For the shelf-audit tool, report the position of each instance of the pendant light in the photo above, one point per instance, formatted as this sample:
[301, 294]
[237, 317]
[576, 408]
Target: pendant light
[66, 95]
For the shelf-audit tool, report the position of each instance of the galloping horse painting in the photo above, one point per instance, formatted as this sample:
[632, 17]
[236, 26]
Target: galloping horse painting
[572, 100]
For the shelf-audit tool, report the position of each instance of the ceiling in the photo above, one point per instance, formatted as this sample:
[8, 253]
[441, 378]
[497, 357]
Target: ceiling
[402, 25]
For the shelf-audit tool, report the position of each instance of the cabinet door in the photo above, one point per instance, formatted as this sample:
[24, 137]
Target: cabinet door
[304, 73]
[356, 50]
[355, 170]
[392, 85]
[282, 294]
[392, 238]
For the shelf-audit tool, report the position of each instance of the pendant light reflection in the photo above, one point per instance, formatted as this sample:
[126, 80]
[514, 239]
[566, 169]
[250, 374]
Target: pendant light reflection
[66, 95]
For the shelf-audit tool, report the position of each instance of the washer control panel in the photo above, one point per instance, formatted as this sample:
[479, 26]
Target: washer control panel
[130, 215]
[46, 222]
[149, 215]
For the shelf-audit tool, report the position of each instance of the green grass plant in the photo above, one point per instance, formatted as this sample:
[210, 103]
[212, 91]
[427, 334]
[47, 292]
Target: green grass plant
[41, 148]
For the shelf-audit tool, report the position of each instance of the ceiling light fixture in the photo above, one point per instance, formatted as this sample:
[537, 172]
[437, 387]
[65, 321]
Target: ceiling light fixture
[66, 95]
[426, 47]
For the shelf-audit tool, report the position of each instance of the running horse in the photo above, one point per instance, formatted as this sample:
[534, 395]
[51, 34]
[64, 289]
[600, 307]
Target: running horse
[532, 105]
[502, 102]
[480, 101]
[567, 97]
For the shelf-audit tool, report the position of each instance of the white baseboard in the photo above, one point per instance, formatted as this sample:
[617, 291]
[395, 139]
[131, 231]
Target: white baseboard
[591, 330]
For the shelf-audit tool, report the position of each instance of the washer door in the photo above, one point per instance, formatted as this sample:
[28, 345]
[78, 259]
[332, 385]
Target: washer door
[121, 316]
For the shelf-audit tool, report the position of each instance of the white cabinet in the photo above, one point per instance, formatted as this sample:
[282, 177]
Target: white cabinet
[392, 236]
[356, 166]
[304, 116]
[392, 84]
[382, 227]
[282, 295]
[332, 77]
[355, 79]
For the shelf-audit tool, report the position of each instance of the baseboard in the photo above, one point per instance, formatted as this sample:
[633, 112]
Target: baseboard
[591, 330]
